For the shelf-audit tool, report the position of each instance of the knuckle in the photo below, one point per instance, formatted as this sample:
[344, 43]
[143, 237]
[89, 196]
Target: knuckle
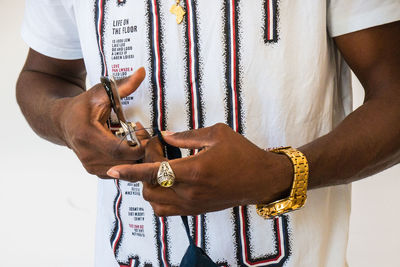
[196, 172]
[138, 151]
[91, 169]
[85, 158]
[146, 194]
[217, 130]
[220, 125]
[192, 195]
[159, 210]
[149, 153]
[97, 96]
[153, 178]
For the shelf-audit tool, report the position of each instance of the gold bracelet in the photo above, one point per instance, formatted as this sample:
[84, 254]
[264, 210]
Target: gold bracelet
[298, 194]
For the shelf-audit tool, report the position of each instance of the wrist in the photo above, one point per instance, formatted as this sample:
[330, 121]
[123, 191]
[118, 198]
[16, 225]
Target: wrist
[278, 178]
[298, 192]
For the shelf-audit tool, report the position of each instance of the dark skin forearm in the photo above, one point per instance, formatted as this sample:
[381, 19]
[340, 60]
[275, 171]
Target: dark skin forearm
[368, 140]
[231, 171]
[38, 92]
[366, 143]
[52, 96]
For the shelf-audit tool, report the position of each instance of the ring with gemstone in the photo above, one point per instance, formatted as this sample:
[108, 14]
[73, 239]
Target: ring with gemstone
[165, 175]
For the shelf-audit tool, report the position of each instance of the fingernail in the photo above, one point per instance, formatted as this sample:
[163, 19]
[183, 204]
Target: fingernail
[113, 173]
[166, 133]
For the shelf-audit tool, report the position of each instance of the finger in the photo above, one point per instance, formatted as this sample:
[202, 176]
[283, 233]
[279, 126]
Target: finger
[165, 202]
[160, 195]
[162, 210]
[98, 98]
[129, 85]
[101, 169]
[179, 194]
[113, 146]
[126, 151]
[145, 172]
[141, 133]
[154, 151]
[123, 151]
[126, 86]
[185, 170]
[195, 139]
[122, 147]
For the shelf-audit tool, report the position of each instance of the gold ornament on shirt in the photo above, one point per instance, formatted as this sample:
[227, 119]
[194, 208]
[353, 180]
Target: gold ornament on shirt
[178, 11]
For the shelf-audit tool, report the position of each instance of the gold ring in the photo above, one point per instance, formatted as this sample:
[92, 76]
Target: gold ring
[165, 175]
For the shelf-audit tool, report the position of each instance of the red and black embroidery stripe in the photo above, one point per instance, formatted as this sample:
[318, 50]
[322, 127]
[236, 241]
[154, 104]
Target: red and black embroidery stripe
[161, 228]
[244, 251]
[193, 68]
[132, 262]
[156, 71]
[117, 232]
[233, 99]
[199, 231]
[99, 18]
[271, 17]
[121, 2]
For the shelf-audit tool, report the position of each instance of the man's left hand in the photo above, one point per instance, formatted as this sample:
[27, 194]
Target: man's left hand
[227, 171]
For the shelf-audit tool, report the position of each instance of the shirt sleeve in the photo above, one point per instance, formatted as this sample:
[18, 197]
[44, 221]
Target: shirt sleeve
[345, 16]
[49, 28]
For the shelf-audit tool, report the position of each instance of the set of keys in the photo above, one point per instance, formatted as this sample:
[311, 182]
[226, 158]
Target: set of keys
[127, 129]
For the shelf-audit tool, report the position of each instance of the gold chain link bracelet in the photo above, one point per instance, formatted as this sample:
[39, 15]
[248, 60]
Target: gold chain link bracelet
[298, 194]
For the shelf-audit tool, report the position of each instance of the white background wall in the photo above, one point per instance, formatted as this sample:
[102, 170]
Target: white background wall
[47, 203]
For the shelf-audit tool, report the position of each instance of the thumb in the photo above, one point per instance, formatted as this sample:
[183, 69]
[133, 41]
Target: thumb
[129, 85]
[193, 139]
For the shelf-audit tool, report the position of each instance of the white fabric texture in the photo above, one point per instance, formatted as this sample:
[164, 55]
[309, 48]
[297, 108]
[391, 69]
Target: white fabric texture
[49, 28]
[349, 16]
[267, 68]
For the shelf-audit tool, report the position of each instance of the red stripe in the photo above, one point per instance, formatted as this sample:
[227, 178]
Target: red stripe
[196, 229]
[130, 264]
[159, 64]
[244, 234]
[100, 38]
[119, 219]
[234, 64]
[164, 243]
[268, 20]
[190, 62]
[196, 225]
[190, 40]
[100, 19]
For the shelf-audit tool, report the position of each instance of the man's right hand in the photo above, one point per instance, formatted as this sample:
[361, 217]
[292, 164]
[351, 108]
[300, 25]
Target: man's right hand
[52, 96]
[83, 126]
